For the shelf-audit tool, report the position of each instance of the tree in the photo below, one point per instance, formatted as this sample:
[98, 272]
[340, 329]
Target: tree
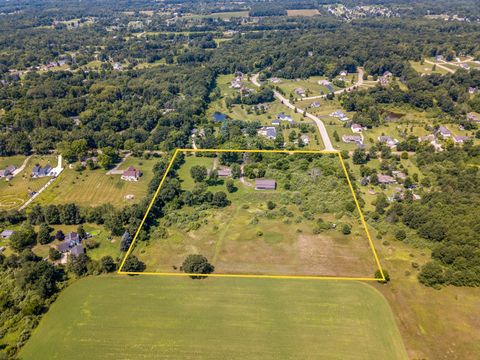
[81, 232]
[359, 157]
[60, 235]
[198, 173]
[107, 264]
[78, 264]
[126, 241]
[43, 235]
[132, 264]
[196, 264]
[346, 229]
[432, 274]
[23, 238]
[220, 199]
[54, 254]
[230, 186]
[236, 171]
[52, 215]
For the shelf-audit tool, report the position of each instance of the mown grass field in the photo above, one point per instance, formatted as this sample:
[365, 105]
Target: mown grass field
[95, 187]
[170, 318]
[303, 12]
[247, 238]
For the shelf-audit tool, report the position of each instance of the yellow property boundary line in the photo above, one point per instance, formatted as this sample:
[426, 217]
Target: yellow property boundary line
[362, 218]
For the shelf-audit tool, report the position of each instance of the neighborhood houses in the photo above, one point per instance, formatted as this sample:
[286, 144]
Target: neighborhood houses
[41, 171]
[71, 245]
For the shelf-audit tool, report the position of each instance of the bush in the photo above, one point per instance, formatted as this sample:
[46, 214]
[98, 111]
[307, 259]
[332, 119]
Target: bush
[378, 275]
[400, 235]
[346, 229]
[271, 205]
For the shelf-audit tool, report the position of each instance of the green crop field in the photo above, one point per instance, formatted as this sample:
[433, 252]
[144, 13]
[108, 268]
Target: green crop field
[182, 318]
[95, 187]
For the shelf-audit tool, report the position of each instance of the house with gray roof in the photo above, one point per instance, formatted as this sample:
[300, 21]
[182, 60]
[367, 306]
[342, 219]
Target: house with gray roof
[265, 184]
[268, 131]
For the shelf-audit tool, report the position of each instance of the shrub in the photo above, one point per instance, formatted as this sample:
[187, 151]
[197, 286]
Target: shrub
[378, 275]
[346, 229]
[400, 235]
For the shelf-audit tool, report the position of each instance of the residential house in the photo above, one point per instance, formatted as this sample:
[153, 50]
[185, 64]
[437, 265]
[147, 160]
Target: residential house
[386, 179]
[300, 91]
[459, 139]
[72, 238]
[343, 73]
[284, 117]
[472, 117]
[387, 140]
[39, 171]
[439, 58]
[263, 184]
[315, 104]
[400, 175]
[330, 88]
[5, 234]
[77, 250]
[268, 131]
[442, 130]
[324, 82]
[276, 122]
[465, 66]
[117, 66]
[131, 174]
[225, 172]
[428, 138]
[472, 90]
[356, 128]
[305, 139]
[275, 80]
[352, 139]
[338, 114]
[387, 74]
[7, 171]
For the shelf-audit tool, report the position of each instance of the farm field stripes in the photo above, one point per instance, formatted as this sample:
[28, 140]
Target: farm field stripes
[285, 276]
[178, 318]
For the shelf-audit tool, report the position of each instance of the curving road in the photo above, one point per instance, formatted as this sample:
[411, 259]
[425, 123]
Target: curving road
[321, 126]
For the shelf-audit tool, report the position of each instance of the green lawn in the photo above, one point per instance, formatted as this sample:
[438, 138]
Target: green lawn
[91, 188]
[171, 318]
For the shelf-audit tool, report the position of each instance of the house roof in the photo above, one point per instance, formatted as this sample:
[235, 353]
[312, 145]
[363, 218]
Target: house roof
[224, 172]
[385, 179]
[443, 130]
[356, 126]
[63, 246]
[6, 233]
[131, 172]
[77, 250]
[265, 184]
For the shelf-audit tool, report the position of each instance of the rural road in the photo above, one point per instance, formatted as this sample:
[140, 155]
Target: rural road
[21, 168]
[321, 126]
[451, 71]
[115, 170]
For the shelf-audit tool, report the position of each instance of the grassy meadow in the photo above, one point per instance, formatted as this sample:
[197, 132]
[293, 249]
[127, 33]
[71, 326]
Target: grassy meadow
[95, 187]
[246, 237]
[182, 318]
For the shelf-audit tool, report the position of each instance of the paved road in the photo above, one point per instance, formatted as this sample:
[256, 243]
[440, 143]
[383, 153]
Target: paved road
[321, 126]
[354, 86]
